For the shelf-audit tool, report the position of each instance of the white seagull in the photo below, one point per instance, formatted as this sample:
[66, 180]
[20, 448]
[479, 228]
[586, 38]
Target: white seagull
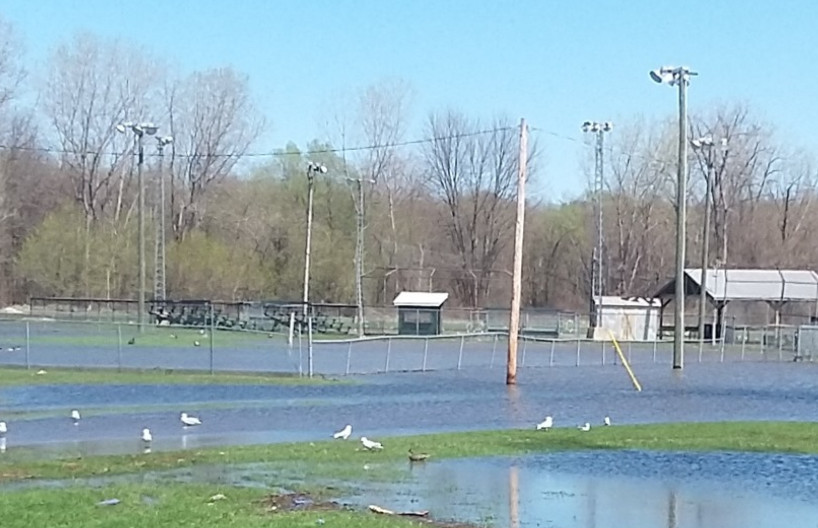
[607, 420]
[3, 429]
[344, 433]
[146, 436]
[546, 424]
[584, 428]
[189, 420]
[75, 415]
[370, 444]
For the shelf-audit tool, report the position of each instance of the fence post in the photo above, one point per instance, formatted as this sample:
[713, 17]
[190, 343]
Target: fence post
[28, 345]
[212, 370]
[493, 350]
[425, 352]
[460, 354]
[525, 346]
[388, 351]
[551, 358]
[300, 353]
[579, 344]
[349, 357]
[119, 347]
[602, 352]
[655, 344]
[309, 344]
[744, 341]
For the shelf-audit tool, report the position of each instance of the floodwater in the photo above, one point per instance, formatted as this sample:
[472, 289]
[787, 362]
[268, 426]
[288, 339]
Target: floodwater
[612, 489]
[399, 404]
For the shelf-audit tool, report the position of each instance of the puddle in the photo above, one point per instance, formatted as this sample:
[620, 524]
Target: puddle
[612, 489]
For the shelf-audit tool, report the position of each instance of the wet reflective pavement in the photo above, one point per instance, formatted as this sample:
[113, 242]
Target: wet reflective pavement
[408, 403]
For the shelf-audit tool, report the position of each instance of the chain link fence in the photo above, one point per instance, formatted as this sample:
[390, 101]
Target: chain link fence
[47, 343]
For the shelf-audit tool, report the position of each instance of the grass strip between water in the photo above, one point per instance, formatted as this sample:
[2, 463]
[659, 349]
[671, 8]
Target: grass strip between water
[12, 377]
[184, 504]
[783, 437]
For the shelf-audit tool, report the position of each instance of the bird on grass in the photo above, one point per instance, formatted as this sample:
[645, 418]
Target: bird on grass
[584, 428]
[417, 457]
[147, 438]
[75, 415]
[196, 343]
[370, 444]
[344, 433]
[546, 424]
[173, 336]
[3, 429]
[607, 420]
[188, 421]
[132, 341]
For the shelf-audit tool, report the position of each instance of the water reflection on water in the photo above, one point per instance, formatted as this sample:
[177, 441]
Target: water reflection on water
[614, 489]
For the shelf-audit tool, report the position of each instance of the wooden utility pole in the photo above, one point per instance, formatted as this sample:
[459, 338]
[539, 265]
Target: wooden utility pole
[517, 272]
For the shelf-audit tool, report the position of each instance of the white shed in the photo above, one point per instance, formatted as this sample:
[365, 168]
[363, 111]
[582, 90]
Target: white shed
[628, 318]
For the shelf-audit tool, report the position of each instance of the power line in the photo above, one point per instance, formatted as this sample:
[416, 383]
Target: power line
[278, 154]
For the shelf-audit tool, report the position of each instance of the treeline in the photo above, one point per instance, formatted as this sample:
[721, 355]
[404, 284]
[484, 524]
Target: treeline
[438, 215]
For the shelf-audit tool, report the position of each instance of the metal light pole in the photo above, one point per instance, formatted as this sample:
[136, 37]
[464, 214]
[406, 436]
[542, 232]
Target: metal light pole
[160, 284]
[312, 168]
[679, 77]
[705, 144]
[140, 130]
[597, 283]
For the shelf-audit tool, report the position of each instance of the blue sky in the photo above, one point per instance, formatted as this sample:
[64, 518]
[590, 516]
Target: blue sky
[556, 63]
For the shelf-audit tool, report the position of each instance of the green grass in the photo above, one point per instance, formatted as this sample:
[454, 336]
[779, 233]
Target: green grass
[10, 377]
[169, 505]
[89, 334]
[336, 459]
[106, 334]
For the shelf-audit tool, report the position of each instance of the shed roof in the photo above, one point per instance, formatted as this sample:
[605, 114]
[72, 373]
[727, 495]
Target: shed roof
[751, 284]
[420, 299]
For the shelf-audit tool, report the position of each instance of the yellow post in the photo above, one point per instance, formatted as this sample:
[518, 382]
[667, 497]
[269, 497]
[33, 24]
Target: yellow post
[635, 381]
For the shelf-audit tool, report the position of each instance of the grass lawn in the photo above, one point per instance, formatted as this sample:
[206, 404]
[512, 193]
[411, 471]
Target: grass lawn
[108, 334]
[11, 376]
[175, 505]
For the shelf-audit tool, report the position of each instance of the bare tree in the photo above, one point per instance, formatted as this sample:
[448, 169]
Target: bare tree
[638, 186]
[213, 122]
[473, 172]
[382, 114]
[742, 173]
[92, 86]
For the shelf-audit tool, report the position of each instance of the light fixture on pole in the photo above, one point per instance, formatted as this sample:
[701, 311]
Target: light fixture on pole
[160, 284]
[679, 77]
[705, 145]
[597, 283]
[139, 130]
[312, 168]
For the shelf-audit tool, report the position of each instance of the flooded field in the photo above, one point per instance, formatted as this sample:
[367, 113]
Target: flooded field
[396, 404]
